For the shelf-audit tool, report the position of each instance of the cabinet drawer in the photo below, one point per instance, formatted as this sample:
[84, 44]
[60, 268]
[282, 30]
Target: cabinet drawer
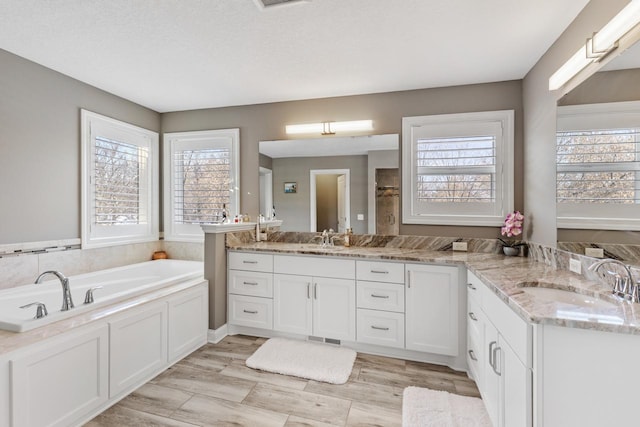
[315, 266]
[250, 261]
[380, 296]
[474, 287]
[250, 283]
[474, 320]
[475, 357]
[381, 328]
[391, 272]
[251, 311]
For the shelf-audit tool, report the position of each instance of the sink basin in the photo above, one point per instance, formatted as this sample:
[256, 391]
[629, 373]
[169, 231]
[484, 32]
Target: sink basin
[565, 297]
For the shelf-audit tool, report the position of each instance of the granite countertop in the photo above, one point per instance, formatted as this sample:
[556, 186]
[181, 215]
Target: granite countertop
[502, 275]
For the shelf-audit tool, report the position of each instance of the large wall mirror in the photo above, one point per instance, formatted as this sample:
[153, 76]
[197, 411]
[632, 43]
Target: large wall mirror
[598, 162]
[332, 183]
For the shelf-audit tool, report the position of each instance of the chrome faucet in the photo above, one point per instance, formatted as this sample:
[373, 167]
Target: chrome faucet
[67, 301]
[623, 286]
[326, 241]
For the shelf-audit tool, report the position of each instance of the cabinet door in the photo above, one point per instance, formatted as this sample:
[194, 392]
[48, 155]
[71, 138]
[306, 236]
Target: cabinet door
[292, 305]
[432, 309]
[138, 347]
[517, 389]
[188, 322]
[62, 380]
[334, 308]
[491, 384]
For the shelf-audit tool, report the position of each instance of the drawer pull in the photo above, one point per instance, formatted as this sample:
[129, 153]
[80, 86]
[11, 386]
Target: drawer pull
[249, 262]
[251, 283]
[473, 316]
[308, 290]
[380, 328]
[472, 355]
[251, 311]
[471, 286]
[380, 296]
[380, 271]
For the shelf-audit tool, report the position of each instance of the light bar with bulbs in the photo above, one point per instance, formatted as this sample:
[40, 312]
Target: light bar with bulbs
[330, 128]
[596, 48]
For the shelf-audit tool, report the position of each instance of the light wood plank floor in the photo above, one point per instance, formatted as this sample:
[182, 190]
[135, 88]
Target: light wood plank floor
[213, 387]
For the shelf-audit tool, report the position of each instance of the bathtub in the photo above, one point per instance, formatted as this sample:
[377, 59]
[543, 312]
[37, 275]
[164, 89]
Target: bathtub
[117, 284]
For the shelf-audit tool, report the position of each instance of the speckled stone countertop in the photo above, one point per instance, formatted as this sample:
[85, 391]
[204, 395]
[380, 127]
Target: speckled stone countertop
[502, 275]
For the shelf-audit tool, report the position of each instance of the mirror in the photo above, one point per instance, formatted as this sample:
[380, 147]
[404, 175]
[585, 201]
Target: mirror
[614, 84]
[333, 182]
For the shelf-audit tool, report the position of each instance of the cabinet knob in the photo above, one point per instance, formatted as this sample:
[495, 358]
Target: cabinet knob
[472, 355]
[251, 311]
[380, 328]
[473, 316]
[470, 285]
[379, 296]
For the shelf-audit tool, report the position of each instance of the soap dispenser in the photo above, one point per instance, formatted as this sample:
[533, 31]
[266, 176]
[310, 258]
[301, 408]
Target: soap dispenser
[347, 237]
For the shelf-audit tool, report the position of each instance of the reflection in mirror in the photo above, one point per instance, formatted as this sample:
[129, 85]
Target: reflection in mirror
[342, 171]
[598, 162]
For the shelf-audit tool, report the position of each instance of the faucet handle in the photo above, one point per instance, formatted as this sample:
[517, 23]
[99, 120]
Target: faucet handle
[88, 298]
[41, 310]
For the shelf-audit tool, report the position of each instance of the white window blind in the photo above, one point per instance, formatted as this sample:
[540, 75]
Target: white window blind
[119, 182]
[598, 165]
[201, 178]
[458, 168]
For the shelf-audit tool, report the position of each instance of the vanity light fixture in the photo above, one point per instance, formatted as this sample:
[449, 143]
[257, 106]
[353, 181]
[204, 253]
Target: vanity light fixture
[330, 128]
[599, 46]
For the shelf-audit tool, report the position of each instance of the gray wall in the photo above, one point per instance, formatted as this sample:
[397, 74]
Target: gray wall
[540, 120]
[293, 209]
[267, 121]
[40, 147]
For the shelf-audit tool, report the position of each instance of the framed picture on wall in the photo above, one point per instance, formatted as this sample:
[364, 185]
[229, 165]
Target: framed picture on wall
[290, 187]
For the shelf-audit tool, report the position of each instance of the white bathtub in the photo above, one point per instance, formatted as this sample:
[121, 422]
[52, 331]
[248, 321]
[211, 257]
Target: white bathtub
[117, 284]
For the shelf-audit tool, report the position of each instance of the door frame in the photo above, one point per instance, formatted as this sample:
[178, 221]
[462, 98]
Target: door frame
[313, 173]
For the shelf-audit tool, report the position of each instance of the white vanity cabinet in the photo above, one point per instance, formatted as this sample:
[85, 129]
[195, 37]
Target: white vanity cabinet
[315, 296]
[503, 370]
[432, 309]
[250, 289]
[380, 299]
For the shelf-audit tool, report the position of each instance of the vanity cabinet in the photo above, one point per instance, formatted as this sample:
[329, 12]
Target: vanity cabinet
[380, 300]
[432, 309]
[250, 289]
[504, 360]
[319, 304]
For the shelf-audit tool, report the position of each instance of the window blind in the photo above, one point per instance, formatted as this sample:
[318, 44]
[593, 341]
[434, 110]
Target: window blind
[456, 169]
[202, 182]
[598, 166]
[118, 179]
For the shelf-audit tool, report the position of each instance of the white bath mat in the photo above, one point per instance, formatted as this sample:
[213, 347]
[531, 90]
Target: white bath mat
[315, 361]
[431, 408]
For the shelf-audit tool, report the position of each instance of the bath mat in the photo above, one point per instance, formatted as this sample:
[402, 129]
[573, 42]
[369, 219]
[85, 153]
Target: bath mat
[431, 408]
[315, 361]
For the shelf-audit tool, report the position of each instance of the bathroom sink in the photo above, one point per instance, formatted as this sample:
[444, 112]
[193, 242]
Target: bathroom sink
[551, 294]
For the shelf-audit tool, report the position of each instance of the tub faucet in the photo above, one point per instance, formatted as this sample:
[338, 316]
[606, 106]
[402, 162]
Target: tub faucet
[67, 301]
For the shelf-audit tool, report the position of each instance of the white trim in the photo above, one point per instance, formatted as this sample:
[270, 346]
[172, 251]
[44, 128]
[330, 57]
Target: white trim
[193, 232]
[491, 215]
[312, 195]
[214, 336]
[124, 234]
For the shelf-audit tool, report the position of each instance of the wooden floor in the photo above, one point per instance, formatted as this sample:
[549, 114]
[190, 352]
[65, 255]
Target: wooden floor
[213, 387]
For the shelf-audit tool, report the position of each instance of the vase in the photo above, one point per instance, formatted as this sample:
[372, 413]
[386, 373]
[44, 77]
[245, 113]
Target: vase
[509, 251]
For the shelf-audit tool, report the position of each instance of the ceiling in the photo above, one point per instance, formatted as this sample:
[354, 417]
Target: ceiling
[172, 55]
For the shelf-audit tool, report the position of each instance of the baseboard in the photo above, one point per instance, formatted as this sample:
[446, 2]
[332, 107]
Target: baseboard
[214, 336]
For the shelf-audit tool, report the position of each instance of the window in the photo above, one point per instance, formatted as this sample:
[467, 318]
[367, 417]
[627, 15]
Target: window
[201, 179]
[119, 182]
[457, 168]
[598, 164]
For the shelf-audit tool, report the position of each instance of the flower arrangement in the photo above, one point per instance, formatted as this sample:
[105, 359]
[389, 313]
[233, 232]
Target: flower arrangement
[512, 227]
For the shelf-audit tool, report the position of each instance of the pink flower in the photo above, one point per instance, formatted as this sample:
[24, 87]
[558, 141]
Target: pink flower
[512, 224]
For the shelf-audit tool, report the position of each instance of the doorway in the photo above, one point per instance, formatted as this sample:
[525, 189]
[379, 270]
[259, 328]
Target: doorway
[387, 201]
[329, 203]
[266, 192]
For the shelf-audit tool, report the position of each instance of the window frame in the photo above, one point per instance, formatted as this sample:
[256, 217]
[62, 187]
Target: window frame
[601, 116]
[92, 235]
[456, 124]
[171, 142]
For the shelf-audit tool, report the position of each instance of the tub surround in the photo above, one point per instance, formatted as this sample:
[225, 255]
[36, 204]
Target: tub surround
[501, 274]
